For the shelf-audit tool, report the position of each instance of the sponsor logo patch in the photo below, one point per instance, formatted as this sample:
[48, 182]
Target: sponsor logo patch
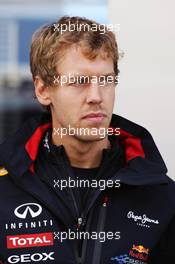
[142, 220]
[30, 240]
[36, 257]
[29, 213]
[29, 209]
[3, 171]
[138, 254]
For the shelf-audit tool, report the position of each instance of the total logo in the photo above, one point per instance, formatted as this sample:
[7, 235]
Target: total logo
[30, 240]
[28, 209]
[36, 257]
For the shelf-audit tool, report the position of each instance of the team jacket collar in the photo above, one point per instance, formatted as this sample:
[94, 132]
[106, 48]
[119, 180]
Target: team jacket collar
[143, 162]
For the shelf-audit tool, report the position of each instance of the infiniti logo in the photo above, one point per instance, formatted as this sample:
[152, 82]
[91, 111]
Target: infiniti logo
[32, 209]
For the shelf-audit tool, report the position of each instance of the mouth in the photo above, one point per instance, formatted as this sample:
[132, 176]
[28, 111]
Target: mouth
[95, 117]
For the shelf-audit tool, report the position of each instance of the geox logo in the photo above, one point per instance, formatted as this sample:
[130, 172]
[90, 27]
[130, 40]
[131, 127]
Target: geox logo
[31, 257]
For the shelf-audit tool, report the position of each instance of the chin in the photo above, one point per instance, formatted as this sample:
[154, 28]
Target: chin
[90, 138]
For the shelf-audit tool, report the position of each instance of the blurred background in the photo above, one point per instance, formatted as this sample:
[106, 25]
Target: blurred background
[146, 92]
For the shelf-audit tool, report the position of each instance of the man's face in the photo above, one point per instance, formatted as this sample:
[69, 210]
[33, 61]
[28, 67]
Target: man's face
[83, 104]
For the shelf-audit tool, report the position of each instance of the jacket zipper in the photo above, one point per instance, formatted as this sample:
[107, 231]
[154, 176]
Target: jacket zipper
[100, 226]
[82, 221]
[64, 158]
[101, 223]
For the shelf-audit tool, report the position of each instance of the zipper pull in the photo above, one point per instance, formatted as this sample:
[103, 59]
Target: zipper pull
[81, 222]
[105, 201]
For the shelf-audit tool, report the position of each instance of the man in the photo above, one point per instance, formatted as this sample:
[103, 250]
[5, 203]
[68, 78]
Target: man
[80, 184]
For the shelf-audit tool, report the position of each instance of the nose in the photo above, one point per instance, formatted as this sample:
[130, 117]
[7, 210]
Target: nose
[94, 94]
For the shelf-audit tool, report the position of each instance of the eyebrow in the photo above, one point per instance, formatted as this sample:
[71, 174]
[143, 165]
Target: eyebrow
[107, 74]
[104, 74]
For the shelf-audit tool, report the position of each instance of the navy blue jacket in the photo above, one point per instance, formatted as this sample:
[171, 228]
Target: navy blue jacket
[133, 223]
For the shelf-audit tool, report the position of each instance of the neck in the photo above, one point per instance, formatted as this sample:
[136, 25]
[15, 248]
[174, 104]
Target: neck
[82, 154]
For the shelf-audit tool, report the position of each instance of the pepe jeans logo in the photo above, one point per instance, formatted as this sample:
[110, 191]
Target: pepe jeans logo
[28, 209]
[142, 220]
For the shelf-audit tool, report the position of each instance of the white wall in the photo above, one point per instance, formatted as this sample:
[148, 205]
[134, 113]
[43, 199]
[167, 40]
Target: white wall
[146, 92]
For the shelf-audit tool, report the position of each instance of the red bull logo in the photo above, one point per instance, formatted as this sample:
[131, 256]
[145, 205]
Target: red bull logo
[139, 252]
[141, 249]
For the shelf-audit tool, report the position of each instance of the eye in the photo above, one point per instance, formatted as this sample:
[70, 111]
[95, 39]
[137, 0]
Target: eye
[79, 81]
[106, 80]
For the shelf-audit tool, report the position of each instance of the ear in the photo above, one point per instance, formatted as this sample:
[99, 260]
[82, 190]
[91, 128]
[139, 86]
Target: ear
[42, 92]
